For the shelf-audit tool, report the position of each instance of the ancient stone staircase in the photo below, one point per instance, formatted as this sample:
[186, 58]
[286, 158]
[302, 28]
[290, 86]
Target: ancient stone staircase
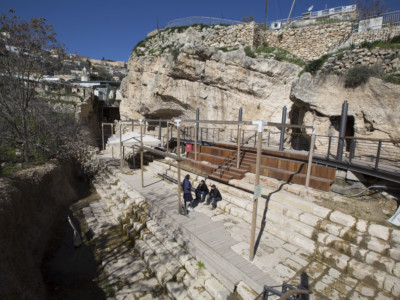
[157, 266]
[345, 257]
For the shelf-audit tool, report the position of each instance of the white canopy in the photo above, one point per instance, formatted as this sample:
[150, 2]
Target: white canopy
[133, 138]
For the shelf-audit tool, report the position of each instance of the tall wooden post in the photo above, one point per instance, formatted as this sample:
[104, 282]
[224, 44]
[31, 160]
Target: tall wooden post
[257, 190]
[133, 126]
[238, 138]
[121, 159]
[112, 129]
[195, 141]
[167, 136]
[310, 157]
[141, 151]
[178, 152]
[102, 134]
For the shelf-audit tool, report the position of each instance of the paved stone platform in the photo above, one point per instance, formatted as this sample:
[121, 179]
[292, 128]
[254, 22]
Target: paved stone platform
[205, 238]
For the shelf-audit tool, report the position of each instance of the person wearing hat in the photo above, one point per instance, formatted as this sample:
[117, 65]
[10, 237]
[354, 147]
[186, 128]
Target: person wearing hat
[214, 196]
[187, 192]
[202, 190]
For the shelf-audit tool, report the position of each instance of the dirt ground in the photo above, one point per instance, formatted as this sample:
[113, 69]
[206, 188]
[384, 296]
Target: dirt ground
[371, 205]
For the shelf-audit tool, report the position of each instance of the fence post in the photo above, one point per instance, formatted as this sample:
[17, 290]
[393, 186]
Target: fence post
[121, 160]
[352, 149]
[284, 111]
[102, 134]
[378, 154]
[257, 190]
[310, 157]
[133, 126]
[141, 151]
[342, 132]
[329, 147]
[167, 136]
[178, 146]
[159, 130]
[238, 138]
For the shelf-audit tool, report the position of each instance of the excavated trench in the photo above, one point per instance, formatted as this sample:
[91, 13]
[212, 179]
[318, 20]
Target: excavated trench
[38, 259]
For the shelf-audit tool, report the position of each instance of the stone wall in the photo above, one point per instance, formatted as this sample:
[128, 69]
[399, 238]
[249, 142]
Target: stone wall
[308, 43]
[236, 36]
[374, 35]
[386, 61]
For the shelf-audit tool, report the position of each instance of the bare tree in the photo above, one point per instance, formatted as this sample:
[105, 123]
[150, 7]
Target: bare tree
[28, 51]
[368, 8]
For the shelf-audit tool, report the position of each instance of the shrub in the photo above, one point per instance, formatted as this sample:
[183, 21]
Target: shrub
[395, 40]
[316, 64]
[224, 49]
[357, 76]
[249, 52]
[392, 78]
[280, 37]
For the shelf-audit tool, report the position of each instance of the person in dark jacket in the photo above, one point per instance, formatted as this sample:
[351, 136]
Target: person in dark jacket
[202, 190]
[187, 191]
[214, 196]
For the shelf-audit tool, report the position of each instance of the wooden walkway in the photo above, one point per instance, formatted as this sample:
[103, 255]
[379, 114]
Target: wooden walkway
[205, 239]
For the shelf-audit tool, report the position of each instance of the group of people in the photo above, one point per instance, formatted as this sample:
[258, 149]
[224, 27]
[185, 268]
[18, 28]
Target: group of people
[202, 193]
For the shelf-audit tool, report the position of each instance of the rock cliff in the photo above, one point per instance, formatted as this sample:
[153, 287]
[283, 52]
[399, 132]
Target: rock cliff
[174, 85]
[217, 82]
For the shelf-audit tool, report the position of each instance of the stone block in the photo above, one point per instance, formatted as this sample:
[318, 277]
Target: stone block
[343, 219]
[360, 270]
[377, 245]
[216, 289]
[396, 236]
[379, 231]
[320, 211]
[365, 290]
[392, 285]
[176, 290]
[245, 291]
[192, 267]
[362, 225]
[336, 258]
[309, 219]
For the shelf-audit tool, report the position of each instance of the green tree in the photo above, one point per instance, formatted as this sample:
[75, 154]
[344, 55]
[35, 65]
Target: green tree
[28, 51]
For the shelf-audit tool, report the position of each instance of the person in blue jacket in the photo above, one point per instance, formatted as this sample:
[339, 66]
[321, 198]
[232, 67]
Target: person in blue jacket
[202, 190]
[187, 192]
[214, 196]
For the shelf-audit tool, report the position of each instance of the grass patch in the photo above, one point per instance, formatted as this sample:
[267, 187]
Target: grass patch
[357, 76]
[200, 264]
[316, 64]
[249, 52]
[392, 79]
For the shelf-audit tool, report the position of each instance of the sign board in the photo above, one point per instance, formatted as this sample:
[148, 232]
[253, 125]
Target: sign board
[257, 192]
[370, 24]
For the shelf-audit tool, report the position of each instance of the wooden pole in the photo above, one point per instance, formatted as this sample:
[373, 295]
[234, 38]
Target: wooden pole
[290, 12]
[121, 160]
[310, 157]
[195, 141]
[167, 136]
[133, 126]
[178, 152]
[112, 129]
[141, 152]
[257, 191]
[265, 17]
[102, 135]
[238, 146]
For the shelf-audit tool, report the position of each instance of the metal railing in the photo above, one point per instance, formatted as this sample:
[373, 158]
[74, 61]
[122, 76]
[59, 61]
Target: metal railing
[200, 20]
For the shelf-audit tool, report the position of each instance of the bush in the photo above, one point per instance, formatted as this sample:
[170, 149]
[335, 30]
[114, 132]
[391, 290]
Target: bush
[357, 76]
[392, 79]
[316, 64]
[395, 40]
[249, 52]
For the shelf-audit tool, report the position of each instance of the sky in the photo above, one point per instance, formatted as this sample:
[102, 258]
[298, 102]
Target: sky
[111, 29]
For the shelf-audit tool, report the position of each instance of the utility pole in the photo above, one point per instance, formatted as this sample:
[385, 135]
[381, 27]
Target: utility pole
[290, 12]
[265, 17]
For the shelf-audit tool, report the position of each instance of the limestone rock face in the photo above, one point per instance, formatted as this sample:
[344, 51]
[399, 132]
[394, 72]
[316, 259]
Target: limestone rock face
[374, 105]
[217, 82]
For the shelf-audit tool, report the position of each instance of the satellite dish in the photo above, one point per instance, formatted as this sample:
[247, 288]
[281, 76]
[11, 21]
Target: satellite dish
[310, 8]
